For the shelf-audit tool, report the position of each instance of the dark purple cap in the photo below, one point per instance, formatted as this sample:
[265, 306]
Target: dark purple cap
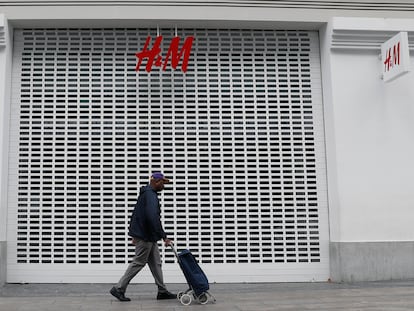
[159, 175]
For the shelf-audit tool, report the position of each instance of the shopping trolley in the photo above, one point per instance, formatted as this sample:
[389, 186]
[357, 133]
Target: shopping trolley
[196, 279]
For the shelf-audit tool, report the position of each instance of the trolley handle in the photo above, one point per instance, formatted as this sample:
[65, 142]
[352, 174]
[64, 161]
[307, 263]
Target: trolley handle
[174, 250]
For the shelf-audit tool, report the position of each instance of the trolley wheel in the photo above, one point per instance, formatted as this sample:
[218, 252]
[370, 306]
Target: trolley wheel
[186, 299]
[179, 295]
[203, 298]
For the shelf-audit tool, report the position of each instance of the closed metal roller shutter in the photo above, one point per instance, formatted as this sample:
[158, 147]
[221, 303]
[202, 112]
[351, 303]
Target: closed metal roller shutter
[240, 133]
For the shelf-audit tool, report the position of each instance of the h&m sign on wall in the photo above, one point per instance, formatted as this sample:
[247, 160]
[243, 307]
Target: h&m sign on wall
[174, 54]
[395, 55]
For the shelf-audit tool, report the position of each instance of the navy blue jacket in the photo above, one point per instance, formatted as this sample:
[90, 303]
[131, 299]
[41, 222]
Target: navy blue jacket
[145, 221]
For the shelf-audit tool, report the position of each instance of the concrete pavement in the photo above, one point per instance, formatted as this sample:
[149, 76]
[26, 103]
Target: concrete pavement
[373, 296]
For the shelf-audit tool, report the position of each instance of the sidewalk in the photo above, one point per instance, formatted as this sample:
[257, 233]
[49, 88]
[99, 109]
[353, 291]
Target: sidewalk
[375, 296]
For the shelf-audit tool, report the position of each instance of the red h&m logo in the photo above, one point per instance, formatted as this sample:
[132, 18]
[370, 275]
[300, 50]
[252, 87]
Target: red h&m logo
[154, 57]
[392, 59]
[395, 55]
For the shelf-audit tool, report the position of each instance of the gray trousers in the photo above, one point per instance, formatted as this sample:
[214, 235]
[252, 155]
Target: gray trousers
[145, 253]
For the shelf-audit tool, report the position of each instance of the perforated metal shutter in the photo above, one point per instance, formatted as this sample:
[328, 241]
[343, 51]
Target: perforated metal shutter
[240, 134]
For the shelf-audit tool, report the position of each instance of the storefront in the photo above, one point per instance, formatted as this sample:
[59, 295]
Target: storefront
[251, 131]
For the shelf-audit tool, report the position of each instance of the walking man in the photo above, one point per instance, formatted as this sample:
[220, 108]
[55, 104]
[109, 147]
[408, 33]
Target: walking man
[145, 229]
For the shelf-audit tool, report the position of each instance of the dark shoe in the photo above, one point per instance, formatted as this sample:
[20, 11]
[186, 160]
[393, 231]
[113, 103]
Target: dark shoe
[166, 295]
[118, 294]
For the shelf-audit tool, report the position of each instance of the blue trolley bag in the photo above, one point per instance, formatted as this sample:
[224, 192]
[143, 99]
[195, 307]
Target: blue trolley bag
[194, 275]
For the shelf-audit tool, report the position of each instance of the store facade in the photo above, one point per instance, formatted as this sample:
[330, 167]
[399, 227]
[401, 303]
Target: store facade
[276, 129]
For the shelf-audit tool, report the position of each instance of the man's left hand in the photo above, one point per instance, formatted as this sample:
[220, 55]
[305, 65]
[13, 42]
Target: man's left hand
[167, 242]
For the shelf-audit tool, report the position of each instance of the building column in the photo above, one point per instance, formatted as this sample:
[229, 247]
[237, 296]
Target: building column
[5, 93]
[369, 138]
